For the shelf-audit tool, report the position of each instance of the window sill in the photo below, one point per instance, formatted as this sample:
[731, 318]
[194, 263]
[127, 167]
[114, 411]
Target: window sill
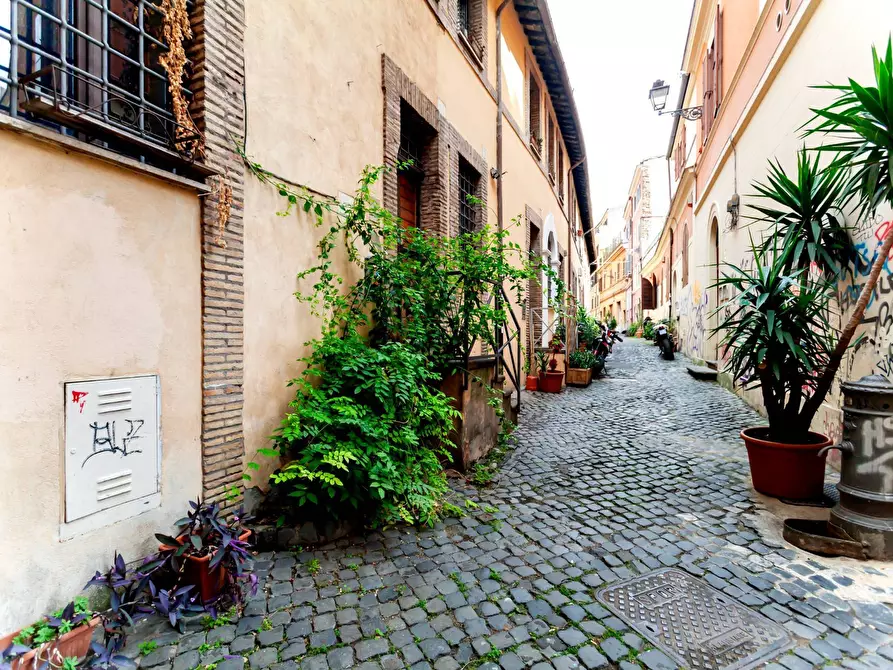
[72, 144]
[470, 49]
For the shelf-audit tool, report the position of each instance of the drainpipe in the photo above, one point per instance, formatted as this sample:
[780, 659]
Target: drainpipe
[499, 172]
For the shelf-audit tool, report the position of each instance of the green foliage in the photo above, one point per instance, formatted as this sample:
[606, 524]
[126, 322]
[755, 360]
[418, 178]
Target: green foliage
[147, 647]
[809, 207]
[69, 663]
[861, 121]
[581, 359]
[313, 566]
[612, 322]
[205, 647]
[542, 361]
[368, 426]
[482, 475]
[778, 333]
[266, 624]
[222, 619]
[648, 330]
[633, 328]
[588, 328]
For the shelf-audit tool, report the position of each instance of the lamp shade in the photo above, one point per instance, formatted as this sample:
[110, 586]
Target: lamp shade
[658, 95]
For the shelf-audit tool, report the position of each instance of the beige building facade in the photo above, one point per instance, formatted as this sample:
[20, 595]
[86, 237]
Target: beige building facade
[751, 65]
[130, 272]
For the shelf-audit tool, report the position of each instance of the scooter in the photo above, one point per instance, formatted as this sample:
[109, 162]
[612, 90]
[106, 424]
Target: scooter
[664, 341]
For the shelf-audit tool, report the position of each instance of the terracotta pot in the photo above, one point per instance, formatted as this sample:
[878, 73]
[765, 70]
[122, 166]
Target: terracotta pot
[532, 383]
[794, 471]
[209, 583]
[550, 382]
[75, 643]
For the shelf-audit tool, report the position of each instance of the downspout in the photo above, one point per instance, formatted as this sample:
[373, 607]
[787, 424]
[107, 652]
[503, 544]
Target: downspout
[499, 172]
[571, 234]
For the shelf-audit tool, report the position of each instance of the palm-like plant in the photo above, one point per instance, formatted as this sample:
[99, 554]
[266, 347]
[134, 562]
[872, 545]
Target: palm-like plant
[779, 328]
[778, 333]
[808, 207]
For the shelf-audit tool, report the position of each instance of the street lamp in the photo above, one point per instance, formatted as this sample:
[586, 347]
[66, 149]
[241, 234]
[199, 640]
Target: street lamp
[658, 95]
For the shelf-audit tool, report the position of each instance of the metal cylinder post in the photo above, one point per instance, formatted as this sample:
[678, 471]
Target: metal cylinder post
[865, 510]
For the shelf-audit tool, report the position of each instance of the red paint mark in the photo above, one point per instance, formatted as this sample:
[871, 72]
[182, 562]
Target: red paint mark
[881, 233]
[79, 398]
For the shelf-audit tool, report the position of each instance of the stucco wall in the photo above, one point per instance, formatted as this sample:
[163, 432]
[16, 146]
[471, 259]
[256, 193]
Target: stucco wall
[772, 132]
[315, 117]
[100, 275]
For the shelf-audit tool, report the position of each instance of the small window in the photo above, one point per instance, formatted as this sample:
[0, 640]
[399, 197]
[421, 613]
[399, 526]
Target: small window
[533, 119]
[92, 70]
[469, 179]
[463, 17]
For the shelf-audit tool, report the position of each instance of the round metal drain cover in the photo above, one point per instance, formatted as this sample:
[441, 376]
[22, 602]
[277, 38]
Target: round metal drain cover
[693, 623]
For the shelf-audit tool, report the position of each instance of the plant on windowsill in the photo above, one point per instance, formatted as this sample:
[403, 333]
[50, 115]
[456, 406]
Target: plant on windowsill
[778, 332]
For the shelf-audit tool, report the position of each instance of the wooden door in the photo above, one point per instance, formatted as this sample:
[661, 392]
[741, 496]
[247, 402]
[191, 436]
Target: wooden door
[410, 200]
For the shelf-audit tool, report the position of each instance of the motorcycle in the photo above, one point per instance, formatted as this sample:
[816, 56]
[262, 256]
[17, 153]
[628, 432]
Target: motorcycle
[602, 349]
[664, 341]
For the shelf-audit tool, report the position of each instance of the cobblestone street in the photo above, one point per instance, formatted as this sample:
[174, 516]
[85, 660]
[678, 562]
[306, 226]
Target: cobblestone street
[641, 471]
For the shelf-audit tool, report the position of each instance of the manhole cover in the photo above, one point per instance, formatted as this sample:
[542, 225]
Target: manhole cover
[697, 625]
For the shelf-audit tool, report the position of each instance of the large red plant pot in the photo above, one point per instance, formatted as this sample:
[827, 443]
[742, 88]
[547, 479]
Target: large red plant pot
[792, 471]
[75, 643]
[532, 383]
[209, 583]
[550, 382]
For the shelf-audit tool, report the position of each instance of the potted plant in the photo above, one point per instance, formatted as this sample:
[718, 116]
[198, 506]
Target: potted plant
[550, 379]
[208, 552]
[532, 379]
[778, 331]
[579, 371]
[64, 634]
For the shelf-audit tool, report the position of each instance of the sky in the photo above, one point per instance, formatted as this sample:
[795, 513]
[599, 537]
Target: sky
[614, 50]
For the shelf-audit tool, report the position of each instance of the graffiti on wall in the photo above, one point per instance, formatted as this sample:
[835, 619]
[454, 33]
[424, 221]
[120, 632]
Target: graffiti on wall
[693, 316]
[876, 337]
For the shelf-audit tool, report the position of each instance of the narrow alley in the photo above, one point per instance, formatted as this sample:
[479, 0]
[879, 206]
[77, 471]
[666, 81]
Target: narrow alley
[641, 471]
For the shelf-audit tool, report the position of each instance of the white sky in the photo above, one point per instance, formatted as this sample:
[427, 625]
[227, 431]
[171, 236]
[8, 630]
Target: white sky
[614, 50]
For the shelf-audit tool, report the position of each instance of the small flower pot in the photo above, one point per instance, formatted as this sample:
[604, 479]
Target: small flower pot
[550, 382]
[75, 643]
[532, 383]
[579, 377]
[208, 583]
[792, 471]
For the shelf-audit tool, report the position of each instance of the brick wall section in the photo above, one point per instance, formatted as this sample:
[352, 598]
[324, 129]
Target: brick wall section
[218, 82]
[440, 157]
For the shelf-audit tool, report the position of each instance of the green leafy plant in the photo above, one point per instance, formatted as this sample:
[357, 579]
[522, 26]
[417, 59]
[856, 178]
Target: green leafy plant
[542, 362]
[368, 427]
[266, 624]
[581, 359]
[807, 206]
[313, 566]
[147, 647]
[648, 330]
[612, 322]
[588, 328]
[778, 332]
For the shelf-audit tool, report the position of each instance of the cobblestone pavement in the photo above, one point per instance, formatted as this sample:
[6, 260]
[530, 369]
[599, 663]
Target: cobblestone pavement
[644, 469]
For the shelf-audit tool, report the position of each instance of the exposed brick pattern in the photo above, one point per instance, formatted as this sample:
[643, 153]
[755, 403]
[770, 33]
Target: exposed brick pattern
[477, 41]
[218, 82]
[440, 155]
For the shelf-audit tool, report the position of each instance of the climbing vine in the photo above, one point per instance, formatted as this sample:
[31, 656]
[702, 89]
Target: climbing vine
[368, 428]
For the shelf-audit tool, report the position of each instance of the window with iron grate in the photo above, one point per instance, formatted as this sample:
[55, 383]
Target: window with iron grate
[469, 180]
[91, 69]
[463, 17]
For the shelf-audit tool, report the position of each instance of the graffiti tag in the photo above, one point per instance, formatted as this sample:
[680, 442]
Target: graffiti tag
[105, 441]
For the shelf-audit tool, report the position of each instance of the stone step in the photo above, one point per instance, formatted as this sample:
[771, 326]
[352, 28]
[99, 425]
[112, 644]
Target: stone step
[701, 372]
[713, 365]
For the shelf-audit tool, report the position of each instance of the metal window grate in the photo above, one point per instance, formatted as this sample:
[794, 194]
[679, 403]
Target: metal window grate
[88, 66]
[468, 186]
[463, 17]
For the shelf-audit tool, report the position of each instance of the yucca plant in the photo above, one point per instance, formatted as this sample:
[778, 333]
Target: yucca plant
[807, 205]
[861, 121]
[777, 332]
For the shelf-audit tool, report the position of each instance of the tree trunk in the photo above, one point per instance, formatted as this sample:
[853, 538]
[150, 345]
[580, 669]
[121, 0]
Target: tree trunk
[812, 405]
